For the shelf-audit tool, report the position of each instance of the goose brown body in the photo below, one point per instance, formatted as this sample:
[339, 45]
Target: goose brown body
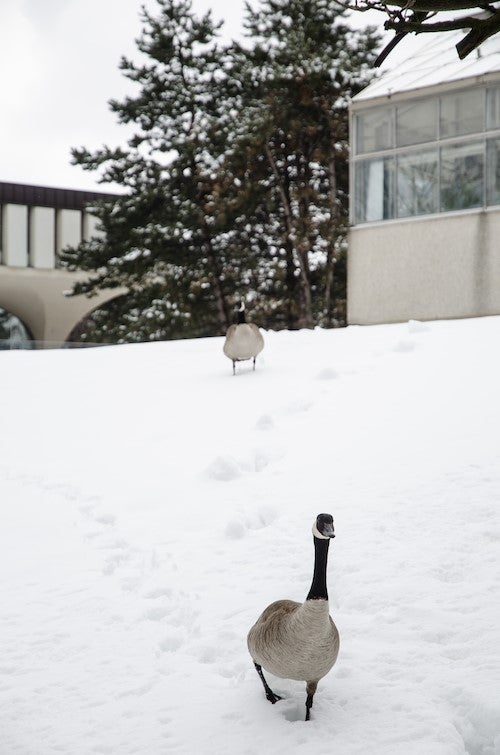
[243, 341]
[295, 640]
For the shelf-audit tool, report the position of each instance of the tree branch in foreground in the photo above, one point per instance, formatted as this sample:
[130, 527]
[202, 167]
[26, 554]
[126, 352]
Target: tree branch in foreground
[414, 17]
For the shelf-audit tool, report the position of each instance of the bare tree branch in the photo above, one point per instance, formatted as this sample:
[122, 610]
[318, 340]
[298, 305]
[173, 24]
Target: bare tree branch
[414, 17]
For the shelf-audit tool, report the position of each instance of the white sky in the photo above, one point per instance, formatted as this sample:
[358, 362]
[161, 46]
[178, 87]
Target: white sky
[58, 69]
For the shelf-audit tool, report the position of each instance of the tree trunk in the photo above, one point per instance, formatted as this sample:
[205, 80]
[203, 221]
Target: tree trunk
[291, 285]
[330, 260]
[220, 302]
[301, 254]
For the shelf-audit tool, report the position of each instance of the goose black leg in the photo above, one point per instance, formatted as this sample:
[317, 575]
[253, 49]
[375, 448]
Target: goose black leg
[311, 689]
[254, 362]
[234, 367]
[269, 693]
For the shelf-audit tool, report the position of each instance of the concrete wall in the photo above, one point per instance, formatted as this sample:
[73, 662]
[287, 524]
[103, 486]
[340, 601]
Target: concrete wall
[37, 298]
[438, 267]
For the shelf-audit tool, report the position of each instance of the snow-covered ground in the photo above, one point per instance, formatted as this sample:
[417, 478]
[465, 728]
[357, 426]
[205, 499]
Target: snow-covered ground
[152, 505]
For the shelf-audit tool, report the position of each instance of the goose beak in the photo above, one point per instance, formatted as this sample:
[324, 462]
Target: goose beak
[328, 531]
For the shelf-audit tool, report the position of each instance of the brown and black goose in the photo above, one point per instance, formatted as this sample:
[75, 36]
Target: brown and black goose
[299, 640]
[243, 340]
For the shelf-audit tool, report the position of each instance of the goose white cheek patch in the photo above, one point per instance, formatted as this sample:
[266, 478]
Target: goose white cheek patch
[317, 533]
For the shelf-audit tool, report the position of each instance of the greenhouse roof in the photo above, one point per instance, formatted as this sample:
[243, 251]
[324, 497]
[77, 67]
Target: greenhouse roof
[434, 62]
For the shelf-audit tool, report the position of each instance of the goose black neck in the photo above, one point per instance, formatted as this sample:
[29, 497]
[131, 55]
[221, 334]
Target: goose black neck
[318, 589]
[241, 316]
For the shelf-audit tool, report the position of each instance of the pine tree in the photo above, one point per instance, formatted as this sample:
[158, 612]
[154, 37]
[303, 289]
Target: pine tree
[303, 65]
[235, 180]
[169, 244]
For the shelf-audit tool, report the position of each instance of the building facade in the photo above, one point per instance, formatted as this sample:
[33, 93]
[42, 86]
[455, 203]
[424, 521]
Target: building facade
[36, 224]
[425, 189]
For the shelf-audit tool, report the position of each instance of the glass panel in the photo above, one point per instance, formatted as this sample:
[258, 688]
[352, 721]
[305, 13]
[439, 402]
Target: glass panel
[462, 176]
[374, 130]
[493, 108]
[462, 113]
[417, 182]
[493, 172]
[416, 123]
[374, 180]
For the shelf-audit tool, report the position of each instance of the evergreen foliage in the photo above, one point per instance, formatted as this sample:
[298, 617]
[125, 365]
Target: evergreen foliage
[235, 180]
[304, 65]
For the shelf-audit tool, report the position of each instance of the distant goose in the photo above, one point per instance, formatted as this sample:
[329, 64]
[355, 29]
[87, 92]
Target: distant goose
[299, 640]
[243, 340]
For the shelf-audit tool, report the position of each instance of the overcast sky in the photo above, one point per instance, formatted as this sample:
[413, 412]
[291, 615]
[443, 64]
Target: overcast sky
[58, 69]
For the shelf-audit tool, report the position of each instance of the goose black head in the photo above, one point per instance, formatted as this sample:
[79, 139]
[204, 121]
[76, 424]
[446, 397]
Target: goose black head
[323, 527]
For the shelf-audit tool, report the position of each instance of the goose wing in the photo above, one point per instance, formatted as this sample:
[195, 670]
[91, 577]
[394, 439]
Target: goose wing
[259, 339]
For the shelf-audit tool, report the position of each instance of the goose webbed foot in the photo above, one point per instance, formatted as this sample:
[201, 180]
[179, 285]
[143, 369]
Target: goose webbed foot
[273, 697]
[270, 695]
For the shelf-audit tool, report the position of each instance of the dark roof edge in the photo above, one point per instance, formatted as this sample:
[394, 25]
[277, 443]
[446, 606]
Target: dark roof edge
[46, 196]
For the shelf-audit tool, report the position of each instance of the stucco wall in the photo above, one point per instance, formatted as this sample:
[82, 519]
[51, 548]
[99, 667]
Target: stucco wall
[428, 268]
[37, 298]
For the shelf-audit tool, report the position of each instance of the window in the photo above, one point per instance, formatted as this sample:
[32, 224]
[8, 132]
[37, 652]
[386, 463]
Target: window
[462, 113]
[416, 122]
[417, 183]
[374, 130]
[493, 163]
[493, 108]
[441, 154]
[374, 189]
[462, 167]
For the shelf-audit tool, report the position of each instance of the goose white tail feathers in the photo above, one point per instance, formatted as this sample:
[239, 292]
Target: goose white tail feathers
[299, 640]
[243, 340]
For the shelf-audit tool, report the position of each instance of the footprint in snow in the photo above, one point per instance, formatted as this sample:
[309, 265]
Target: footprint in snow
[235, 530]
[327, 373]
[298, 406]
[171, 642]
[159, 592]
[404, 346]
[91, 511]
[262, 517]
[156, 614]
[265, 422]
[107, 519]
[293, 712]
[114, 561]
[224, 468]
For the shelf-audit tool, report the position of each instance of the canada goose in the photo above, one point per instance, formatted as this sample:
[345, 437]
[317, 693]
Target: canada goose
[243, 340]
[299, 640]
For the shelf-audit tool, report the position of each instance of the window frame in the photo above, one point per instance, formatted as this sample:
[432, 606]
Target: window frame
[485, 135]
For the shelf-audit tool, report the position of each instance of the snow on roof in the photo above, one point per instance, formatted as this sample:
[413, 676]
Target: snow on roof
[434, 63]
